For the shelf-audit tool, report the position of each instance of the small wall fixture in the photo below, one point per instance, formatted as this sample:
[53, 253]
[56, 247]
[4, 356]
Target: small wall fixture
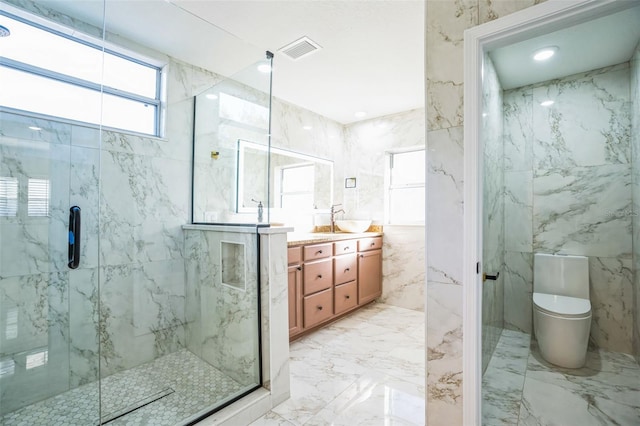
[350, 182]
[545, 53]
[215, 154]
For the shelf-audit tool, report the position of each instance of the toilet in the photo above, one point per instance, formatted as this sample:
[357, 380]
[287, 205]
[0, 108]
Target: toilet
[561, 308]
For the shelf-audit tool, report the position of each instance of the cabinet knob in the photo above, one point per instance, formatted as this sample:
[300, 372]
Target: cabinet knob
[299, 268]
[347, 269]
[346, 248]
[319, 252]
[347, 297]
[319, 307]
[319, 276]
[362, 255]
[373, 244]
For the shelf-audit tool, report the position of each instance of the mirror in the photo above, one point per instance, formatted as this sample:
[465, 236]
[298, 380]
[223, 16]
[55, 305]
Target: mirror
[296, 181]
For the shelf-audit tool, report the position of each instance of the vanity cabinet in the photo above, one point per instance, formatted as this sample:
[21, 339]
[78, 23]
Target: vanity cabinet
[329, 279]
[369, 269]
[294, 255]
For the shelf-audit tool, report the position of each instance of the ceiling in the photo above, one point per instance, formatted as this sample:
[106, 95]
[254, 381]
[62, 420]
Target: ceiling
[372, 56]
[601, 42]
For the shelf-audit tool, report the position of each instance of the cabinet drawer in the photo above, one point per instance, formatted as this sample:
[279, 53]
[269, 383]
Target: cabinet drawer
[318, 308]
[294, 255]
[345, 268]
[373, 243]
[317, 276]
[344, 247]
[317, 251]
[346, 297]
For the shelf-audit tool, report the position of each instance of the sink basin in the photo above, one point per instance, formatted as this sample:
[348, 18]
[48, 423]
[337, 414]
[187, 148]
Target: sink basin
[355, 226]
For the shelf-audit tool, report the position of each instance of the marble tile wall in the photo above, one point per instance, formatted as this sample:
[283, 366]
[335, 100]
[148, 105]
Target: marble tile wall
[404, 246]
[635, 189]
[445, 24]
[493, 204]
[568, 190]
[222, 321]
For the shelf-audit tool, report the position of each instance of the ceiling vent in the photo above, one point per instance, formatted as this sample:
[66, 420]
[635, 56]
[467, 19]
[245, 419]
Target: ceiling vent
[299, 48]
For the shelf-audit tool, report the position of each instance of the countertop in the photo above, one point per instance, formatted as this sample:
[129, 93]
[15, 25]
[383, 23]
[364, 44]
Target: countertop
[298, 238]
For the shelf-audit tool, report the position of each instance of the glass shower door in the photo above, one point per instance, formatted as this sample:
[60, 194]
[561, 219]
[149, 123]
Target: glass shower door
[48, 311]
[49, 349]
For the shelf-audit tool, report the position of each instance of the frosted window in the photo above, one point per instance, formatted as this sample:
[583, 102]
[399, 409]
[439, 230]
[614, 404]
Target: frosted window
[8, 196]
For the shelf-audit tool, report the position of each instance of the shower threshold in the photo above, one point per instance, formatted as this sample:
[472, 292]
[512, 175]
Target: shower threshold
[167, 391]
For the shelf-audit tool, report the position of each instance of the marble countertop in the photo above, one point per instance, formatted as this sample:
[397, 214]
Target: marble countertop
[297, 238]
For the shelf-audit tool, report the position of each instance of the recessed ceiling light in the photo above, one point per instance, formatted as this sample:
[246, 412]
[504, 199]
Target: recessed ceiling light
[360, 114]
[547, 103]
[265, 68]
[211, 96]
[36, 128]
[545, 53]
[307, 127]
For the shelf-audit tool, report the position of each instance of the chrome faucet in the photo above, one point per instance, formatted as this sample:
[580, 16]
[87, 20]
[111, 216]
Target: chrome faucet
[334, 212]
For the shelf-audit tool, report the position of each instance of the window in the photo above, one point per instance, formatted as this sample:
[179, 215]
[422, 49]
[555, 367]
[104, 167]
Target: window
[38, 200]
[48, 69]
[405, 178]
[8, 196]
[296, 186]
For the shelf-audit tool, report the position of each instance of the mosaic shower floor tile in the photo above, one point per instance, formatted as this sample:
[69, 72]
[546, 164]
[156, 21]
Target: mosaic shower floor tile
[167, 391]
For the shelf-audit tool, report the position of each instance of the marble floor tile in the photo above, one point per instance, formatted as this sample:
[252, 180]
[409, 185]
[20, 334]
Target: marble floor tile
[606, 391]
[367, 368]
[504, 378]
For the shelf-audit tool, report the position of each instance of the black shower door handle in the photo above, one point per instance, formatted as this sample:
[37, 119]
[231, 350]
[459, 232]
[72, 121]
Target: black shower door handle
[74, 237]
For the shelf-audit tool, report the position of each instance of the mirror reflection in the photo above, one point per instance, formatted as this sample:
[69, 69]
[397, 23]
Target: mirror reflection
[296, 181]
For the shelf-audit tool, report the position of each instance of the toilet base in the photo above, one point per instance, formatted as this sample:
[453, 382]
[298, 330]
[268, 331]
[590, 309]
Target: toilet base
[562, 341]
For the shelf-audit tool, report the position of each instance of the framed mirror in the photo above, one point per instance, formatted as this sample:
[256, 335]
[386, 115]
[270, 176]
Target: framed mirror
[296, 181]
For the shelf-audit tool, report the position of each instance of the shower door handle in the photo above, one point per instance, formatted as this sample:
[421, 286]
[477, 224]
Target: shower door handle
[74, 237]
[486, 276]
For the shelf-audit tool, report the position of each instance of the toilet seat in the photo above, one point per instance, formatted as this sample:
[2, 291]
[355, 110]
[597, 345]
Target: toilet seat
[564, 306]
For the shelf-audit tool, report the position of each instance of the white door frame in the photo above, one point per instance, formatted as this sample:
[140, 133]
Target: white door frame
[531, 22]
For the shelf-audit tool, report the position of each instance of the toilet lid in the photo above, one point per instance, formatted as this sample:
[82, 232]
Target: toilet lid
[562, 305]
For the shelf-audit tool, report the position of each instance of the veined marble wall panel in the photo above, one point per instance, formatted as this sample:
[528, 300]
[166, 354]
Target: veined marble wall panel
[84, 326]
[403, 254]
[144, 204]
[635, 171]
[225, 331]
[518, 211]
[588, 124]
[611, 303]
[34, 344]
[444, 354]
[444, 205]
[38, 243]
[518, 130]
[130, 335]
[518, 291]
[583, 211]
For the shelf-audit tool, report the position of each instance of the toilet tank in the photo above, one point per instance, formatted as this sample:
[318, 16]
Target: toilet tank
[562, 275]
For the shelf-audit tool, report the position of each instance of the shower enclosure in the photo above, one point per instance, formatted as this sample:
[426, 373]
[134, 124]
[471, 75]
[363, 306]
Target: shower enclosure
[110, 311]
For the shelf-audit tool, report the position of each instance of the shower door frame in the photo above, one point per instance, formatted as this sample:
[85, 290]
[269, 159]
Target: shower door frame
[531, 22]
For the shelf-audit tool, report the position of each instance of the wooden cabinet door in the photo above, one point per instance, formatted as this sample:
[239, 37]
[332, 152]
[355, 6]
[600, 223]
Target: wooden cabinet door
[295, 300]
[369, 275]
